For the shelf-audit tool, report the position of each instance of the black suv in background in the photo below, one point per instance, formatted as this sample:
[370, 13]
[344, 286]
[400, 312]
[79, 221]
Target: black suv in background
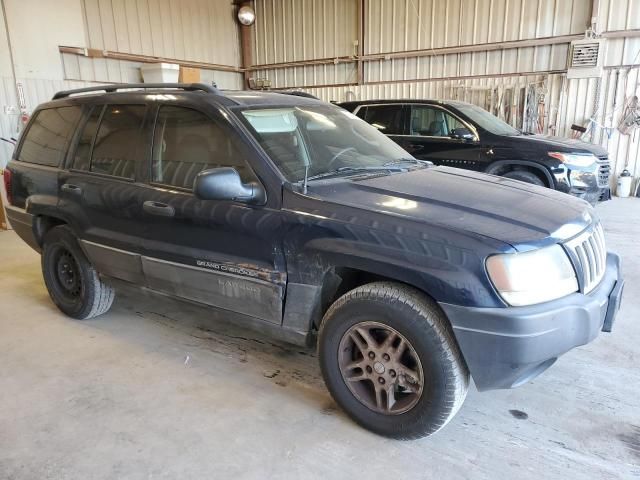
[462, 135]
[302, 220]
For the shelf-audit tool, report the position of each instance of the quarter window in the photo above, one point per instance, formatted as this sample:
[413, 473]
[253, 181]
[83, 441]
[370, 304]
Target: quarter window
[186, 142]
[386, 118]
[433, 122]
[47, 138]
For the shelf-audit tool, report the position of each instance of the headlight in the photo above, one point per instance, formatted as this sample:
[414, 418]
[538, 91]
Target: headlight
[576, 160]
[532, 277]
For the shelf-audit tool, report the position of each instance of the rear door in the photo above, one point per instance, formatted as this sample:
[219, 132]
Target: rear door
[431, 135]
[36, 166]
[221, 253]
[100, 191]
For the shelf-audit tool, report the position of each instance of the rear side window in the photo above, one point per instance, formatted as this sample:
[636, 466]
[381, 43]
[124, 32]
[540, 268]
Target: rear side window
[46, 140]
[186, 142]
[362, 112]
[386, 118]
[118, 142]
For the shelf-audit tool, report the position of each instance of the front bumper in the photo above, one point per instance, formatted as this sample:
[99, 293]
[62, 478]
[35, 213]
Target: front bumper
[587, 184]
[506, 347]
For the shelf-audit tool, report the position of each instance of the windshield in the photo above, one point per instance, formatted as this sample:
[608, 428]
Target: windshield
[323, 138]
[485, 120]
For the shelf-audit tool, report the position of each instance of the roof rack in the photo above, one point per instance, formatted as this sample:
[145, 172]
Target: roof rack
[297, 93]
[188, 87]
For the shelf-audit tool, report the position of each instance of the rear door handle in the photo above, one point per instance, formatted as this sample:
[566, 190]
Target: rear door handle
[70, 188]
[158, 208]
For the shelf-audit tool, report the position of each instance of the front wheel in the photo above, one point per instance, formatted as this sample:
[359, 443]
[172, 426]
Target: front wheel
[73, 283]
[525, 176]
[390, 360]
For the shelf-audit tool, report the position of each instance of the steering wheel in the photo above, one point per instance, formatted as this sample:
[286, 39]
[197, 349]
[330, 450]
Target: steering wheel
[337, 155]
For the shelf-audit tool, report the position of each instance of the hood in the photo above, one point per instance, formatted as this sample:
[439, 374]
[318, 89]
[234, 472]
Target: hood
[549, 143]
[522, 215]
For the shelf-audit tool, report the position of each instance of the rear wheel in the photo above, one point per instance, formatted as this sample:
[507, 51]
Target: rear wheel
[525, 176]
[390, 360]
[72, 282]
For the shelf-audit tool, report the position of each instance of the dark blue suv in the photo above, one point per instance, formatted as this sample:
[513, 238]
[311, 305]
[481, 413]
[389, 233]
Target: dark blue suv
[308, 223]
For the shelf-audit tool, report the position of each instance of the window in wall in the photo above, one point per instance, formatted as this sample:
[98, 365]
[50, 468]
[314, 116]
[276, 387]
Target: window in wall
[186, 142]
[48, 135]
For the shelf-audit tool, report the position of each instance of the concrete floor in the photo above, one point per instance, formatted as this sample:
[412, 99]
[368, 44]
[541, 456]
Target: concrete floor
[158, 389]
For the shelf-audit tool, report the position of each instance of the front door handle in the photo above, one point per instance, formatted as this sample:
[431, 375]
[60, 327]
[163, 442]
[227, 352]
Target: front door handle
[158, 208]
[70, 188]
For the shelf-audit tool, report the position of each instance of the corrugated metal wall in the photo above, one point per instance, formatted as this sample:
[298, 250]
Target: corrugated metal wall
[199, 30]
[430, 24]
[189, 30]
[289, 30]
[292, 30]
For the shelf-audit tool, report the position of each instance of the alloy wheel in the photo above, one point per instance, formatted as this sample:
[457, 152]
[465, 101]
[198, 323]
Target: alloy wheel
[381, 368]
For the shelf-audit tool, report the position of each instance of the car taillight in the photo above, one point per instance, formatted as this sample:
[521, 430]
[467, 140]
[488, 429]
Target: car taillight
[7, 185]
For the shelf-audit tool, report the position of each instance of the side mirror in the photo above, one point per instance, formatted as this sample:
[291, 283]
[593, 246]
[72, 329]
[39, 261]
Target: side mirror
[462, 134]
[224, 183]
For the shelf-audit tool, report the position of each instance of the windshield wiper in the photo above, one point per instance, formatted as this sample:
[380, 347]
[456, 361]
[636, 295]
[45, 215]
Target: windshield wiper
[349, 170]
[402, 161]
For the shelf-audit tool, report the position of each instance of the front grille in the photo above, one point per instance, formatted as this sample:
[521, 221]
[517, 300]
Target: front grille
[590, 256]
[604, 169]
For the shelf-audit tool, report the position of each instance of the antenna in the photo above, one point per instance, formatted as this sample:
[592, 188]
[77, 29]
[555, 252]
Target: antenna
[306, 175]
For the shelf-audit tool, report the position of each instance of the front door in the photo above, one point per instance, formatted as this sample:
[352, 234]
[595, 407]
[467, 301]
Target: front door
[221, 253]
[435, 134]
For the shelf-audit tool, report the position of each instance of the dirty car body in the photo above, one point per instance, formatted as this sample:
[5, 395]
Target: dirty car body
[281, 255]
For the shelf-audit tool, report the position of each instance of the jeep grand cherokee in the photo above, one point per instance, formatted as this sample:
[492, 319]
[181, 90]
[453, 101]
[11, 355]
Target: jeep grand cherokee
[305, 221]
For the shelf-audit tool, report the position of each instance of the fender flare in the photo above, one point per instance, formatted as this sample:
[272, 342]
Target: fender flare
[527, 163]
[43, 207]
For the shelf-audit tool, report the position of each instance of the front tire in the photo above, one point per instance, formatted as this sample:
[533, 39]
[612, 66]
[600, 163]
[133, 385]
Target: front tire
[73, 283]
[390, 360]
[525, 176]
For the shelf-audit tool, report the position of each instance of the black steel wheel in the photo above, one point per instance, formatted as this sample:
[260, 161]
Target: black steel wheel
[73, 283]
[67, 279]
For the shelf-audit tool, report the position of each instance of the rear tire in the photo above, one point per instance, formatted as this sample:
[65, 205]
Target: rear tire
[525, 176]
[405, 395]
[73, 283]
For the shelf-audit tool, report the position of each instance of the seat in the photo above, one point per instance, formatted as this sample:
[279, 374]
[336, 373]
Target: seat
[180, 166]
[115, 154]
[438, 127]
[284, 151]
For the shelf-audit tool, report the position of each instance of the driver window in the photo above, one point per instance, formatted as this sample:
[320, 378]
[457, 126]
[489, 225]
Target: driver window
[185, 142]
[432, 122]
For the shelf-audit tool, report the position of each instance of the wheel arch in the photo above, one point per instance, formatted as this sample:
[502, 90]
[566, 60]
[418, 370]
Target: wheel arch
[344, 276]
[500, 167]
[43, 223]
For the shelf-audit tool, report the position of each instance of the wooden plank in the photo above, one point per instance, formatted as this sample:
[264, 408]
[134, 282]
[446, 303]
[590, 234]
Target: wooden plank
[4, 223]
